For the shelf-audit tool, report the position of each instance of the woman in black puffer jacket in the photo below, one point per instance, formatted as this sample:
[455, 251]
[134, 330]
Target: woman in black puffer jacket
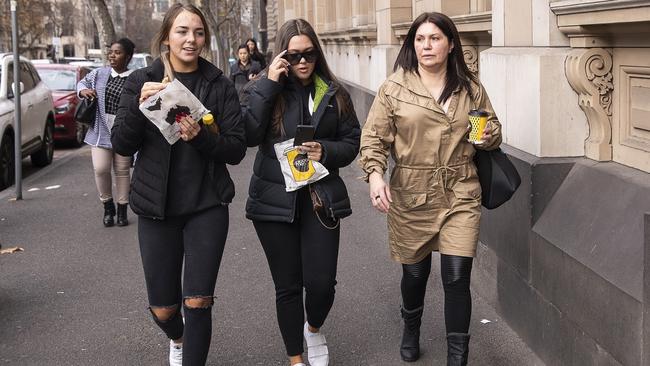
[181, 191]
[301, 246]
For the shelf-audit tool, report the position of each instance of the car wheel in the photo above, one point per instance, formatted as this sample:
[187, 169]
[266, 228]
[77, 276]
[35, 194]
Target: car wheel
[44, 156]
[80, 134]
[6, 162]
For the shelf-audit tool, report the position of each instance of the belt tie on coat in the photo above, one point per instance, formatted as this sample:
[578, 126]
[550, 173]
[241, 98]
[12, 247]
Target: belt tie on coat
[440, 173]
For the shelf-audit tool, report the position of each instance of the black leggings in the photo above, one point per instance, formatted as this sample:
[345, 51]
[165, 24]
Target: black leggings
[199, 239]
[456, 273]
[300, 254]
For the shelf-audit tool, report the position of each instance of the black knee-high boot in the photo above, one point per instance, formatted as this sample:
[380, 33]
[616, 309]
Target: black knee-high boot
[410, 348]
[457, 349]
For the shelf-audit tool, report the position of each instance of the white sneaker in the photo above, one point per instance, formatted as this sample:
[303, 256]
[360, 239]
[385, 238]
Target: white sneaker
[299, 364]
[175, 354]
[317, 353]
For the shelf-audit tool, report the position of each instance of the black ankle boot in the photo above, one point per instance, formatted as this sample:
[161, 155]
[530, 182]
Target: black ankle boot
[457, 349]
[121, 214]
[109, 213]
[410, 348]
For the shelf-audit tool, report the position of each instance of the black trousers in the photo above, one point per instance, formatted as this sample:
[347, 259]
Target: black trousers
[300, 254]
[198, 240]
[456, 273]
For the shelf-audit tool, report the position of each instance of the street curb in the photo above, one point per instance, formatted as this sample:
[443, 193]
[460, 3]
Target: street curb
[11, 191]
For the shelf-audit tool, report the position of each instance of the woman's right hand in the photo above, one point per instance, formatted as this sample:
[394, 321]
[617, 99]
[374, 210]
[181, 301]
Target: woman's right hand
[150, 88]
[88, 94]
[278, 67]
[379, 192]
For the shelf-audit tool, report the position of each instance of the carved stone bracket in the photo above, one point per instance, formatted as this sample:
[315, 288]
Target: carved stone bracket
[589, 72]
[470, 53]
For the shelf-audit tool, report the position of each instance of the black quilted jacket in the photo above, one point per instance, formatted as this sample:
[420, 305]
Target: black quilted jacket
[339, 137]
[133, 132]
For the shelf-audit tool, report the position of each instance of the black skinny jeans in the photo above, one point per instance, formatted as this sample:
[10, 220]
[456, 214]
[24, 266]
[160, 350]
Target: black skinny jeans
[300, 254]
[199, 239]
[456, 273]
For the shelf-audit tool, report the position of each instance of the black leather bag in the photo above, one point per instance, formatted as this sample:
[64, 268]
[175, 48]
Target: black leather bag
[330, 198]
[499, 178]
[86, 110]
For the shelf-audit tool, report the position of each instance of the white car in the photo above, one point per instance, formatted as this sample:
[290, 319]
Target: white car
[37, 118]
[140, 60]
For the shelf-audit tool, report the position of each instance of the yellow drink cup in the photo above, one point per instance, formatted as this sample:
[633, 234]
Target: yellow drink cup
[478, 119]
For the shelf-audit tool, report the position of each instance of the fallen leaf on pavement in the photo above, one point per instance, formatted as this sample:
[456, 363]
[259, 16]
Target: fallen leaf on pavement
[11, 250]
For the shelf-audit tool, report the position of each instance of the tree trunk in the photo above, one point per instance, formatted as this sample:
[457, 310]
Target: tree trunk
[104, 23]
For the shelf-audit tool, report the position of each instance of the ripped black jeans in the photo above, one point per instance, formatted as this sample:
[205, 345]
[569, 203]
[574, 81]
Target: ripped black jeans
[199, 239]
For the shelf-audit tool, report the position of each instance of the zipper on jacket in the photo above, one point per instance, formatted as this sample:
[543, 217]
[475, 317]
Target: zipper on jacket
[169, 158]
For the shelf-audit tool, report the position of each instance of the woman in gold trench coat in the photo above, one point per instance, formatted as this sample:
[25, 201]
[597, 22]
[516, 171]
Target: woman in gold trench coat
[433, 202]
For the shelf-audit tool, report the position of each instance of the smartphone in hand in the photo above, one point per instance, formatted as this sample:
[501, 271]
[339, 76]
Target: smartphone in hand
[304, 133]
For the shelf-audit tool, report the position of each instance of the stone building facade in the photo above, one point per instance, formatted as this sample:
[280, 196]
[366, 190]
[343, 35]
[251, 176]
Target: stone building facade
[565, 261]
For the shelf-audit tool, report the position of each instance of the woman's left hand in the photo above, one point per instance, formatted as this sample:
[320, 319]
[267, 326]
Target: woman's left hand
[313, 149]
[487, 138]
[189, 128]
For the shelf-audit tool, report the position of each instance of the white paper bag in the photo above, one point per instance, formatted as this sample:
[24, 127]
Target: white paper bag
[163, 108]
[297, 170]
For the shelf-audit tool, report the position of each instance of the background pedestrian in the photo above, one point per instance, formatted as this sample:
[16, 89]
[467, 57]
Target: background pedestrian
[255, 52]
[242, 71]
[106, 85]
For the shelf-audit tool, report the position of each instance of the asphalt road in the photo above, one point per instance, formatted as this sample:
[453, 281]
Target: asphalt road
[76, 295]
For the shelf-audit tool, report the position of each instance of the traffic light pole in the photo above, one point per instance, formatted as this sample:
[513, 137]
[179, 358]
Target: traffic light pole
[18, 157]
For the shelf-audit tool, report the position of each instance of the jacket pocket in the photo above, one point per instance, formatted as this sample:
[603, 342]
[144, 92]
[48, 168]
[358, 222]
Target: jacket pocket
[465, 191]
[411, 201]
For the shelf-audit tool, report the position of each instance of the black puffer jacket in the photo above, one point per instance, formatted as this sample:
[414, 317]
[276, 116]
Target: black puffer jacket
[133, 132]
[339, 137]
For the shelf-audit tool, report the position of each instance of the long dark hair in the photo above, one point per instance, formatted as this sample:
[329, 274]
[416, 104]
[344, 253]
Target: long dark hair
[256, 50]
[298, 27]
[163, 34]
[458, 73]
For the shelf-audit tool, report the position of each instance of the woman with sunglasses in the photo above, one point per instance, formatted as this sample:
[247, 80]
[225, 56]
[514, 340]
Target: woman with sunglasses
[301, 247]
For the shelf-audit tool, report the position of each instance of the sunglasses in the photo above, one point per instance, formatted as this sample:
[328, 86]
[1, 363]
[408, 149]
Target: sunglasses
[294, 58]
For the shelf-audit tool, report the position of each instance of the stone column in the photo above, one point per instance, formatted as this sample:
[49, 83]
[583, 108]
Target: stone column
[343, 14]
[389, 12]
[320, 15]
[359, 12]
[524, 75]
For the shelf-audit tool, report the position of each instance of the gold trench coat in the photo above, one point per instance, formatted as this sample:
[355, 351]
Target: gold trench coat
[434, 185]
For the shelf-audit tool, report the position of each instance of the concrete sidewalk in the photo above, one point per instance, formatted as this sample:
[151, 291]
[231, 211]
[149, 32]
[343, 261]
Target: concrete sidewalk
[76, 295]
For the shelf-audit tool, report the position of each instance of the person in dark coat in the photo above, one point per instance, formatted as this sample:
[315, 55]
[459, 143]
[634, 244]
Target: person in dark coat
[244, 69]
[301, 245]
[256, 55]
[181, 192]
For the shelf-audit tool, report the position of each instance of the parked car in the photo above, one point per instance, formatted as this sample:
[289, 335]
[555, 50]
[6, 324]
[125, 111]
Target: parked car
[37, 118]
[140, 60]
[62, 80]
[89, 64]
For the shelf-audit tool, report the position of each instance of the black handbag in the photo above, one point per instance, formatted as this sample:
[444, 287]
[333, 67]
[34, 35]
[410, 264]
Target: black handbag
[330, 200]
[498, 176]
[86, 111]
